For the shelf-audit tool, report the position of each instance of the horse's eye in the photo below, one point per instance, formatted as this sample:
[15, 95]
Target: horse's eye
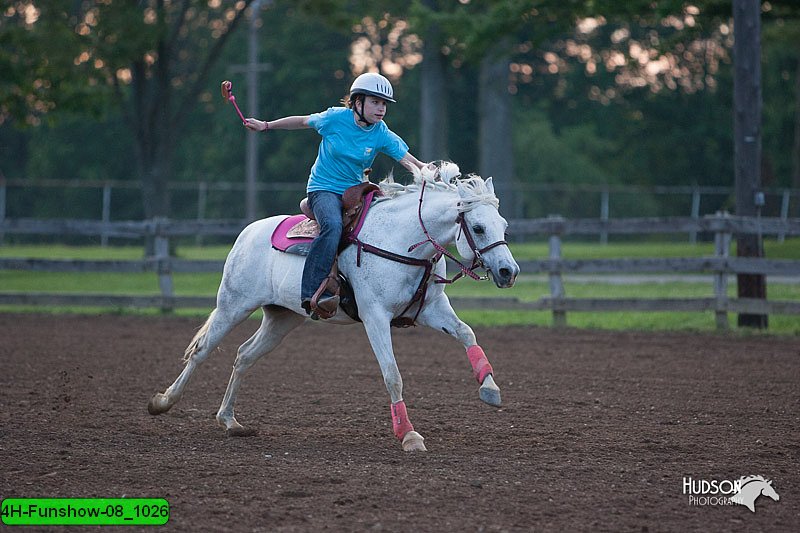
[477, 230]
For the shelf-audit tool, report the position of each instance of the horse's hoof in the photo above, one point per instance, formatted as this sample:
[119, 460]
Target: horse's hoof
[156, 406]
[240, 432]
[414, 442]
[491, 396]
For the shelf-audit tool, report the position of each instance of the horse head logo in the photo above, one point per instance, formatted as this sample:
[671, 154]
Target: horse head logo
[751, 487]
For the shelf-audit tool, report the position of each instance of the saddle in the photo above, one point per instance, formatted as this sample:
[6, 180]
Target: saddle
[353, 201]
[295, 234]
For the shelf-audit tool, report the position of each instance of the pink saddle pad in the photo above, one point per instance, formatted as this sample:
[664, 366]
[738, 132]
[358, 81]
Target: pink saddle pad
[290, 236]
[295, 233]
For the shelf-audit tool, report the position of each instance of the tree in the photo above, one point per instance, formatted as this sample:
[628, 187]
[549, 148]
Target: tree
[482, 33]
[747, 135]
[433, 93]
[150, 58]
[496, 143]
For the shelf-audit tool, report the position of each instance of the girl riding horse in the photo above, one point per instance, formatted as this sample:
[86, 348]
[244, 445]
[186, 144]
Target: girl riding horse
[351, 138]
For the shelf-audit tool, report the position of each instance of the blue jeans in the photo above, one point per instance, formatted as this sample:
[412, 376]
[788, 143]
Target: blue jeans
[327, 208]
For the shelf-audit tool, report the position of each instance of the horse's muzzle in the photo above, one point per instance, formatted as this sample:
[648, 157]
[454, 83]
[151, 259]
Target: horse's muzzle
[505, 276]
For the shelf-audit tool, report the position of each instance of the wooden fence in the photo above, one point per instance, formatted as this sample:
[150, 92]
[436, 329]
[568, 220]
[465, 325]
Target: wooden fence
[199, 196]
[720, 265]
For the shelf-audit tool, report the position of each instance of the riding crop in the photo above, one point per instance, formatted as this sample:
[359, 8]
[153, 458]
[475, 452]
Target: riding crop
[227, 93]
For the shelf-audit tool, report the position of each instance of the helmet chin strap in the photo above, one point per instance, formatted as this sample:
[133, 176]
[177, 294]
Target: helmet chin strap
[360, 114]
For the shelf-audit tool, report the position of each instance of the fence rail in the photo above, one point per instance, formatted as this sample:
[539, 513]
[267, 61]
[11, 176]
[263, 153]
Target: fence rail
[720, 265]
[720, 223]
[196, 197]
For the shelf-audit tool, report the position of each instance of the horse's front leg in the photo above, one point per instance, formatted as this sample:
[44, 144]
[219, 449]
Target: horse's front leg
[438, 314]
[378, 332]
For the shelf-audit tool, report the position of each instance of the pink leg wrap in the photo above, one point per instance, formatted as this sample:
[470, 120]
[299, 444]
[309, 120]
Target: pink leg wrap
[480, 365]
[400, 422]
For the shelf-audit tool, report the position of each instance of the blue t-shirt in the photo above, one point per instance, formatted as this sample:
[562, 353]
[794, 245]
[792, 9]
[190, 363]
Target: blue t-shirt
[347, 149]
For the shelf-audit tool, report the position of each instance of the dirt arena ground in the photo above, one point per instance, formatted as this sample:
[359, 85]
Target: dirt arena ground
[597, 432]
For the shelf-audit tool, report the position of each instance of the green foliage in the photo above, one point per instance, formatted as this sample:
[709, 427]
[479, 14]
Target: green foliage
[77, 149]
[473, 27]
[37, 76]
[780, 72]
[566, 158]
[572, 126]
[572, 157]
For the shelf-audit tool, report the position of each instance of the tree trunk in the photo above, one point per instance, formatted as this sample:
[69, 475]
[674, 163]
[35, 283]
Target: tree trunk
[433, 96]
[747, 133]
[156, 110]
[155, 171]
[496, 153]
[155, 139]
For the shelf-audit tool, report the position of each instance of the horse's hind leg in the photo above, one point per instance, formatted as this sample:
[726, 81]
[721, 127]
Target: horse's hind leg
[276, 324]
[438, 314]
[219, 324]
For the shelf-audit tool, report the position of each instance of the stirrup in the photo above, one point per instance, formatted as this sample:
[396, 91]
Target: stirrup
[326, 306]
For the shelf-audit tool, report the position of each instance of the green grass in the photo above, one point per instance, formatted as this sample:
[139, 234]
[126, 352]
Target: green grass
[119, 253]
[789, 249]
[529, 288]
[654, 321]
[532, 290]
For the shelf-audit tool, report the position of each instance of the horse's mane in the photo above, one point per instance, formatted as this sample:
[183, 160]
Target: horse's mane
[472, 189]
[745, 480]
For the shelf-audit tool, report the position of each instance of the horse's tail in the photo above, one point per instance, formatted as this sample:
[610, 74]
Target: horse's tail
[198, 342]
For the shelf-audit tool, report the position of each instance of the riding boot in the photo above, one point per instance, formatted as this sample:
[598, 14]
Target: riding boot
[325, 301]
[327, 306]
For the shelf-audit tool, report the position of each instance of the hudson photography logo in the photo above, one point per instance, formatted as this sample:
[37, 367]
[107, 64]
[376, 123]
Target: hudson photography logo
[743, 491]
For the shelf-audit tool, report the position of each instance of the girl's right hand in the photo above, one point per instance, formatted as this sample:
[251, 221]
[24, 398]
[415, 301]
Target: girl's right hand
[254, 124]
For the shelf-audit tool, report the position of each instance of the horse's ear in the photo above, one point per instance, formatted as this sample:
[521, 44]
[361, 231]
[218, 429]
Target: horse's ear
[490, 185]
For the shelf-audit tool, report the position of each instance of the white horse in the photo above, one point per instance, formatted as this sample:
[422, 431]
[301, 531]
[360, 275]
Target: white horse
[436, 210]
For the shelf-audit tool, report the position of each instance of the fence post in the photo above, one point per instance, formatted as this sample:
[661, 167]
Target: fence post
[106, 213]
[784, 212]
[604, 214]
[2, 207]
[695, 213]
[202, 200]
[722, 246]
[556, 283]
[161, 246]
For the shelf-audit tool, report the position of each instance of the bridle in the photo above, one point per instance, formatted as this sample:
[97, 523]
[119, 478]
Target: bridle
[428, 264]
[477, 260]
